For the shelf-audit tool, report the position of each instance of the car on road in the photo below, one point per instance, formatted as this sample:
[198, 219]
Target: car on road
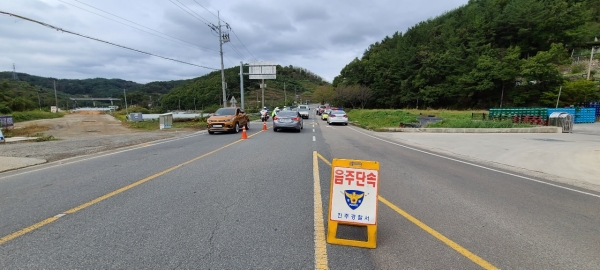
[321, 109]
[228, 119]
[337, 117]
[304, 111]
[288, 120]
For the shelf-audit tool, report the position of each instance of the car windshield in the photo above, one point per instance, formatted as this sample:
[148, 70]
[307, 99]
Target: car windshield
[225, 111]
[303, 109]
[322, 107]
[338, 112]
[287, 114]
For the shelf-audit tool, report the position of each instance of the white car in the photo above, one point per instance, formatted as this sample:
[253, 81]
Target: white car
[337, 117]
[304, 111]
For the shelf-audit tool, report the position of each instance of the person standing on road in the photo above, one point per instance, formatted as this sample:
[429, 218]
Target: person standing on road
[275, 112]
[263, 114]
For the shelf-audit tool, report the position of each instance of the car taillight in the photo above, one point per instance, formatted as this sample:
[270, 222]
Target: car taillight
[345, 116]
[275, 118]
[296, 118]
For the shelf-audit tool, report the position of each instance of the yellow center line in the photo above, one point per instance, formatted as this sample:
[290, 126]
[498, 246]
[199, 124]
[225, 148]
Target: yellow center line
[319, 225]
[463, 251]
[108, 195]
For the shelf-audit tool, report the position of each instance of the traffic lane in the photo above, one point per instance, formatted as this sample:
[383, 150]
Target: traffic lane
[31, 195]
[400, 244]
[339, 257]
[475, 207]
[200, 215]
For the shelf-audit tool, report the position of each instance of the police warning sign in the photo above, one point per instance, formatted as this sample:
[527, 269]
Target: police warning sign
[354, 187]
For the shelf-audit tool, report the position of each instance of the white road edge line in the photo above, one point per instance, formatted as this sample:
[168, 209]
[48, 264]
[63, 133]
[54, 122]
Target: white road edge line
[476, 165]
[314, 139]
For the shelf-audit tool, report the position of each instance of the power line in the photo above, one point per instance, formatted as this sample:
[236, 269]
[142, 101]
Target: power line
[236, 50]
[198, 17]
[114, 44]
[229, 27]
[187, 43]
[207, 10]
[236, 36]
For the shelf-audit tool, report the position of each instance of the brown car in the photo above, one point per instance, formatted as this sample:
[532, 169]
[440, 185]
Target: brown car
[229, 119]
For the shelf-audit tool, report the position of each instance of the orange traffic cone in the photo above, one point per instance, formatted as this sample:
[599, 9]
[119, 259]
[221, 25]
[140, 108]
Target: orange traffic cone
[244, 135]
[264, 125]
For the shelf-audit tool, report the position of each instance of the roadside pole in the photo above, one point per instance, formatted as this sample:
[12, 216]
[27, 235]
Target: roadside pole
[242, 83]
[126, 110]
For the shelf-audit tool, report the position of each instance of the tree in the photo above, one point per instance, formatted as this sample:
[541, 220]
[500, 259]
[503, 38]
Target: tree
[21, 104]
[324, 94]
[573, 92]
[363, 95]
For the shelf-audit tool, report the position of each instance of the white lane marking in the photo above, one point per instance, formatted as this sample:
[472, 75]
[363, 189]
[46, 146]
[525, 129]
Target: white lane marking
[130, 148]
[314, 139]
[476, 165]
[313, 130]
[59, 215]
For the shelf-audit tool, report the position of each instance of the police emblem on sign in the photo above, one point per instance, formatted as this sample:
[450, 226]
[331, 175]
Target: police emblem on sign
[354, 198]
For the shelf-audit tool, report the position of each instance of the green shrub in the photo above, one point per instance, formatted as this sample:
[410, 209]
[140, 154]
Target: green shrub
[578, 68]
[4, 109]
[34, 115]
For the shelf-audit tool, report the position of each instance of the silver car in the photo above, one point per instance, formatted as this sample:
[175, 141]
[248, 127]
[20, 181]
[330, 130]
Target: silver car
[337, 117]
[288, 120]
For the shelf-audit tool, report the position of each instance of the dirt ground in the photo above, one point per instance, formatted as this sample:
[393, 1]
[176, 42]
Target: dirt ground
[80, 124]
[82, 133]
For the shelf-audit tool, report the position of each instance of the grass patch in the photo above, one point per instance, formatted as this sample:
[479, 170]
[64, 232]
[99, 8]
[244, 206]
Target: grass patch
[28, 131]
[34, 115]
[196, 123]
[41, 137]
[376, 119]
[380, 120]
[448, 114]
[468, 123]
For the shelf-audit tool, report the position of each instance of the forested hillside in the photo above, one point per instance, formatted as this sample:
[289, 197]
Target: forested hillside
[206, 91]
[33, 92]
[482, 54]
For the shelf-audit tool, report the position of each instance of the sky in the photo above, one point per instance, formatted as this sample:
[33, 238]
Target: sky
[322, 36]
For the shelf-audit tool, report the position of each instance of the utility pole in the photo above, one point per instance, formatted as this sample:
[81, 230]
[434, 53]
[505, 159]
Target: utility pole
[284, 95]
[55, 98]
[262, 86]
[39, 101]
[242, 83]
[590, 66]
[223, 38]
[126, 110]
[557, 99]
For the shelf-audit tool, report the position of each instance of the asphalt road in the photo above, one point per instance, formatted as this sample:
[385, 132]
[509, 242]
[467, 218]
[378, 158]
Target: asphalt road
[218, 202]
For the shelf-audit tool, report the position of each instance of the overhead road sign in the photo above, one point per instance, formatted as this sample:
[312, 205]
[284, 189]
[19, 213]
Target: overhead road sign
[262, 70]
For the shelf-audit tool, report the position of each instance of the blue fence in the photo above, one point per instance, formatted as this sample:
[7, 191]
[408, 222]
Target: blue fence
[582, 115]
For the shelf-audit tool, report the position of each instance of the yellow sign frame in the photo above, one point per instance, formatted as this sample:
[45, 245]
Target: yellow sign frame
[332, 225]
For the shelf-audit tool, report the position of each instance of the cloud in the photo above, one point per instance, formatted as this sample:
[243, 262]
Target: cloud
[321, 36]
